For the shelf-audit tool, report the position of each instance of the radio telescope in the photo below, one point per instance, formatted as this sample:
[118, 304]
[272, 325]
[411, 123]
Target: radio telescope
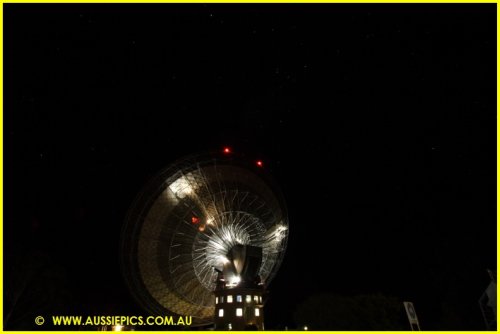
[184, 223]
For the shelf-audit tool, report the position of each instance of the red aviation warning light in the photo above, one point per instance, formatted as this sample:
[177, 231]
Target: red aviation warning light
[259, 163]
[226, 150]
[195, 220]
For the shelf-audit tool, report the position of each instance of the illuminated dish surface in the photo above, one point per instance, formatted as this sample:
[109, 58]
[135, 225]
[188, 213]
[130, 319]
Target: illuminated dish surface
[183, 224]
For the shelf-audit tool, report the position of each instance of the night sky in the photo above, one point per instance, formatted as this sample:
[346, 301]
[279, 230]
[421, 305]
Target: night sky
[378, 122]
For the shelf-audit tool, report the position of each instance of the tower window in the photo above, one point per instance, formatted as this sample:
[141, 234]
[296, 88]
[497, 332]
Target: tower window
[248, 298]
[229, 326]
[239, 312]
[222, 299]
[221, 313]
[256, 299]
[229, 299]
[216, 300]
[260, 299]
[257, 312]
[239, 299]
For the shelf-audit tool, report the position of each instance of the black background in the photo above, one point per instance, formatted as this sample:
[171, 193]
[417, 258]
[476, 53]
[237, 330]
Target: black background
[378, 122]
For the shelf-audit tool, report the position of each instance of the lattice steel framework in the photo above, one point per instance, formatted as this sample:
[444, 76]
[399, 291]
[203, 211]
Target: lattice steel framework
[184, 222]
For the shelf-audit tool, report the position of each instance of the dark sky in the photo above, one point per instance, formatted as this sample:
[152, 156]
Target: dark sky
[378, 122]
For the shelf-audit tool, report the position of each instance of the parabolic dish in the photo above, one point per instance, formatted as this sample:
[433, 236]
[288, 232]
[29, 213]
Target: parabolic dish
[184, 222]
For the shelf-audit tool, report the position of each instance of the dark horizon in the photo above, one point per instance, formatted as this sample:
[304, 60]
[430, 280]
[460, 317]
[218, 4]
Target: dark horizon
[396, 196]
